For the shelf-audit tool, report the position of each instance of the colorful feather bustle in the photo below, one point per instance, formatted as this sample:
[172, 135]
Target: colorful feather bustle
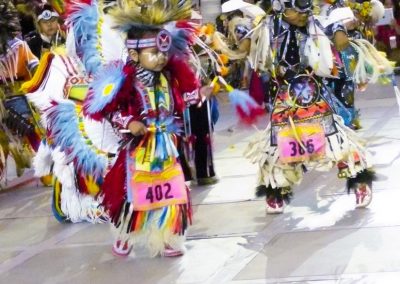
[65, 134]
[105, 86]
[84, 18]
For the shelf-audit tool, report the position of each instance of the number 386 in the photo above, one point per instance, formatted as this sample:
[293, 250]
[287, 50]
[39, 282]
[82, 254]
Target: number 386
[298, 150]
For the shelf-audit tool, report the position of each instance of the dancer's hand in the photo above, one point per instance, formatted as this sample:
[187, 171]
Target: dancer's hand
[341, 40]
[137, 128]
[206, 91]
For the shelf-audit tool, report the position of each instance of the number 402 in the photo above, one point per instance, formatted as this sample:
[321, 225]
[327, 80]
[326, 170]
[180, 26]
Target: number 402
[158, 192]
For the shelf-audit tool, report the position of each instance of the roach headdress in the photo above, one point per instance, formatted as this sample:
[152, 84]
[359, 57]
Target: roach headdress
[149, 14]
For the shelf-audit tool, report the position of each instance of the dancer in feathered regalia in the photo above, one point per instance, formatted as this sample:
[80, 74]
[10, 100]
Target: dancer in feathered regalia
[305, 131]
[77, 150]
[358, 28]
[19, 133]
[144, 192]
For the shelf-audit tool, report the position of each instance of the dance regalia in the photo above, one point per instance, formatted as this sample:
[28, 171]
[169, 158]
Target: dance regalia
[76, 150]
[305, 132]
[72, 142]
[144, 192]
[20, 133]
[344, 87]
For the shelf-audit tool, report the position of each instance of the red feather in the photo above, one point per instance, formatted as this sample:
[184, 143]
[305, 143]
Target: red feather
[256, 90]
[252, 117]
[71, 6]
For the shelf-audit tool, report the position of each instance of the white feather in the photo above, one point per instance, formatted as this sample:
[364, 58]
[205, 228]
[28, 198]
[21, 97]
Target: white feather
[61, 169]
[42, 160]
[102, 135]
[112, 43]
[71, 203]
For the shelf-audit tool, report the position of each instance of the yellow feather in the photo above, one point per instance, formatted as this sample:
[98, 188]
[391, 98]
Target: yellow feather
[152, 13]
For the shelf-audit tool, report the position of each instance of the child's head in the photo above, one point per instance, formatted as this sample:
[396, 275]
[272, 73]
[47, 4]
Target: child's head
[150, 48]
[47, 21]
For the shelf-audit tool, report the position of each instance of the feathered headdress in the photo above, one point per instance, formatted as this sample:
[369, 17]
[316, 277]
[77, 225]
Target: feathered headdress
[149, 14]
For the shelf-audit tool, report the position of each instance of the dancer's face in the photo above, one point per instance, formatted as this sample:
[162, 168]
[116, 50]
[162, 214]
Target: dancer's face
[149, 58]
[49, 27]
[295, 18]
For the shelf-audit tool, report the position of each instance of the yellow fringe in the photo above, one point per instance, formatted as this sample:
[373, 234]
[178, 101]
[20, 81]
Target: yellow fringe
[39, 74]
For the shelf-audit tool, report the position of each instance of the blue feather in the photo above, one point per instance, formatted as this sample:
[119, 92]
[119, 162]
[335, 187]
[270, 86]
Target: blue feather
[65, 134]
[105, 86]
[181, 38]
[84, 21]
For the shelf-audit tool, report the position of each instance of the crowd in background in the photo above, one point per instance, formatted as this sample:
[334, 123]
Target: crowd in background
[388, 36]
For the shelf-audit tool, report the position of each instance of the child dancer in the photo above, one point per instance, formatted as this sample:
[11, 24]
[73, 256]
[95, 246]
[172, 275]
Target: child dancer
[144, 192]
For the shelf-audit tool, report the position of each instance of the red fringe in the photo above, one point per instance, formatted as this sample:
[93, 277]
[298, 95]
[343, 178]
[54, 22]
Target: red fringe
[113, 189]
[255, 114]
[81, 184]
[256, 89]
[183, 79]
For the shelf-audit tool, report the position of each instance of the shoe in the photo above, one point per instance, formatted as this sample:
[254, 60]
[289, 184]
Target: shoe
[275, 206]
[363, 196]
[170, 252]
[207, 181]
[121, 250]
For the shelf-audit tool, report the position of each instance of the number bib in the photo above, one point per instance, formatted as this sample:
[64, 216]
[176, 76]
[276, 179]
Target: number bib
[152, 190]
[312, 137]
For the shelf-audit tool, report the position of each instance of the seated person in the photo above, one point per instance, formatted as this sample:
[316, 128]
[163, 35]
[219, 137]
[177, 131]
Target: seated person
[48, 34]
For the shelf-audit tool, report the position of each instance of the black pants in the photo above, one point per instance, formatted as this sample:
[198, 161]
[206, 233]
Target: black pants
[203, 160]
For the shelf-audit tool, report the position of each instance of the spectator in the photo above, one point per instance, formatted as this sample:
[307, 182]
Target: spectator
[388, 36]
[49, 33]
